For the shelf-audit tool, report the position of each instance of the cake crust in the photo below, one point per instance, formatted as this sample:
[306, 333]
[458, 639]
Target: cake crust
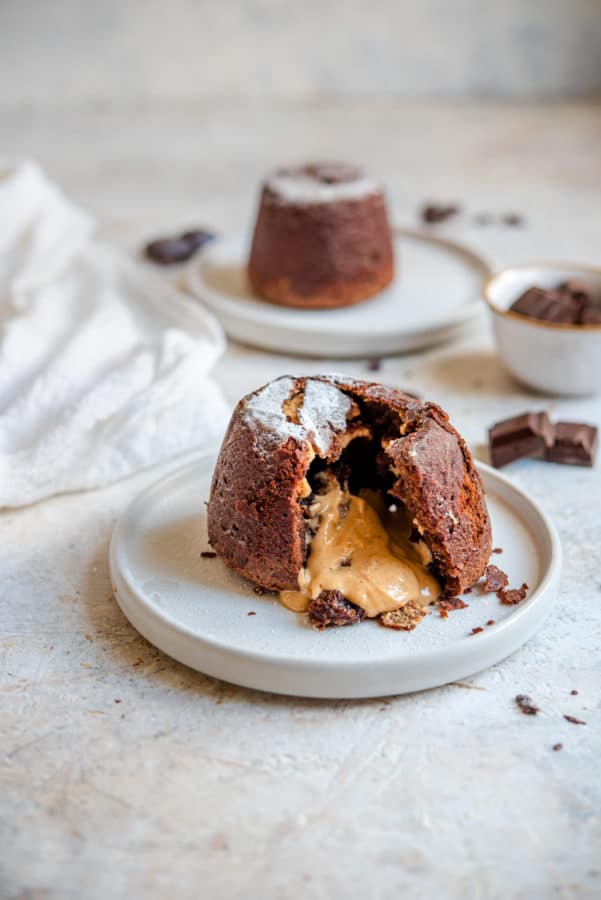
[256, 510]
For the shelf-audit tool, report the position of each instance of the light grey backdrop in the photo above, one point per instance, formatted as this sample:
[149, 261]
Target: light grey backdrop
[123, 51]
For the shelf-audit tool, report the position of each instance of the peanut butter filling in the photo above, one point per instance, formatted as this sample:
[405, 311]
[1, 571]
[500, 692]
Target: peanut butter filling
[363, 550]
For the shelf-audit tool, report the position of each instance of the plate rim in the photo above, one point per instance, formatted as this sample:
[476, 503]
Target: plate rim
[432, 658]
[234, 315]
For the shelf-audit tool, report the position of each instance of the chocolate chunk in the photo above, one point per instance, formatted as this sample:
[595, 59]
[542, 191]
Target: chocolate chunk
[332, 609]
[438, 212]
[495, 579]
[526, 435]
[578, 291]
[574, 720]
[168, 251]
[571, 303]
[591, 317]
[574, 444]
[514, 596]
[526, 705]
[548, 306]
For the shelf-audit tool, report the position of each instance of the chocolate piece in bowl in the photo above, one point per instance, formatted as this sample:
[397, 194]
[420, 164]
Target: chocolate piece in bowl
[547, 306]
[570, 303]
[526, 435]
[574, 444]
[352, 499]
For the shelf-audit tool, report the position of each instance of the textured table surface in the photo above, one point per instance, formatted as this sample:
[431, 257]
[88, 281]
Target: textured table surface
[124, 774]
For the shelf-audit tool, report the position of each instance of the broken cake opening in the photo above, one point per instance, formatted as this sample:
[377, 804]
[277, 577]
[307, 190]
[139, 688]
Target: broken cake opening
[365, 557]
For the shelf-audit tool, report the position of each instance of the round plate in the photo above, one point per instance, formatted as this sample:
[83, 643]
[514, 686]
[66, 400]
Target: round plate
[198, 612]
[412, 312]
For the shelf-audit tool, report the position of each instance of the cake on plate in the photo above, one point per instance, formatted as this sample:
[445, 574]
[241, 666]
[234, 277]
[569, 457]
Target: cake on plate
[321, 238]
[349, 498]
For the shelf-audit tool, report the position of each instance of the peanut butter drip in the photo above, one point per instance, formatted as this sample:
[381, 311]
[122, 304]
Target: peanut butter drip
[364, 554]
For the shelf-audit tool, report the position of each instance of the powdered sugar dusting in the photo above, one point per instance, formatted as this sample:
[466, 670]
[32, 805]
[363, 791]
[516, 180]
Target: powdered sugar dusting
[322, 414]
[301, 188]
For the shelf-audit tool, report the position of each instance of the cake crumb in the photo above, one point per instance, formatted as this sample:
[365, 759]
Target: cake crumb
[557, 746]
[574, 692]
[331, 609]
[448, 604]
[526, 705]
[497, 550]
[208, 554]
[251, 613]
[490, 622]
[476, 630]
[495, 579]
[403, 619]
[512, 597]
[374, 364]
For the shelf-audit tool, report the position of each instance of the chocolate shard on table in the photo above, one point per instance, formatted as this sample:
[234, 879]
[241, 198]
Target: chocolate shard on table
[438, 212]
[529, 435]
[574, 444]
[170, 250]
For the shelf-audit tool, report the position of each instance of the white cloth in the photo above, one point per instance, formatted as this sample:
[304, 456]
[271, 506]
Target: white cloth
[103, 365]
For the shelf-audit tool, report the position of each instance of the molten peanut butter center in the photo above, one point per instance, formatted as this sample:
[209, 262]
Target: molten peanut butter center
[363, 550]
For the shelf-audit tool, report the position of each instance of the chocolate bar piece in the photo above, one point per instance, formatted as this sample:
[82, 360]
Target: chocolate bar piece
[550, 306]
[591, 317]
[438, 212]
[575, 444]
[527, 435]
[569, 304]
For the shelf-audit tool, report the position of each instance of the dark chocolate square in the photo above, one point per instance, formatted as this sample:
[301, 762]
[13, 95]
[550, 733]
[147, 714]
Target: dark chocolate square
[527, 435]
[575, 444]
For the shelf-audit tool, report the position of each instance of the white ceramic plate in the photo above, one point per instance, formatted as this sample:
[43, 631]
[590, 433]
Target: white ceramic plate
[197, 611]
[437, 289]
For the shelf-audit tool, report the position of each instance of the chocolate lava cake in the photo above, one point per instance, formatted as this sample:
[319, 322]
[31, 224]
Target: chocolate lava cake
[321, 238]
[349, 498]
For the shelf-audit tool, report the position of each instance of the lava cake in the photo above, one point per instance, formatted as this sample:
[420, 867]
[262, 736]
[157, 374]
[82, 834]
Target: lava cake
[321, 238]
[350, 499]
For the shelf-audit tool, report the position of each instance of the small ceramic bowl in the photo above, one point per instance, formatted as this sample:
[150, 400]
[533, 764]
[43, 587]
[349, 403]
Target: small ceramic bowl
[550, 357]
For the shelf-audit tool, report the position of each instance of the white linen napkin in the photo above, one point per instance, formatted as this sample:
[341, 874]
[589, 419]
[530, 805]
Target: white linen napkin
[103, 366]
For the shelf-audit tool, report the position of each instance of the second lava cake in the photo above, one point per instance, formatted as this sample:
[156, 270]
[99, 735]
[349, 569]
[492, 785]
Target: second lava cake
[349, 498]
